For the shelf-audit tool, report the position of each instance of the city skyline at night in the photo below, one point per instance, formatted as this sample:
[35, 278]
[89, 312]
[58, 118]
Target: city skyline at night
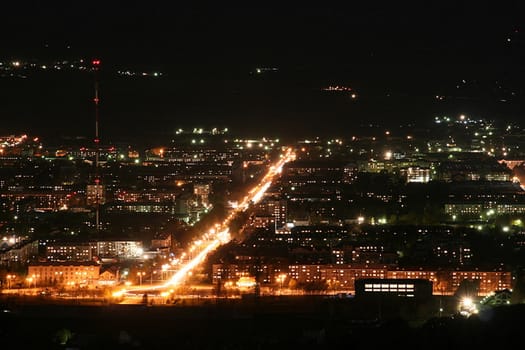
[277, 175]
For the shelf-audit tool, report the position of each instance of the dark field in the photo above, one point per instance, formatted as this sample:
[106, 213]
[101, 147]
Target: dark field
[263, 323]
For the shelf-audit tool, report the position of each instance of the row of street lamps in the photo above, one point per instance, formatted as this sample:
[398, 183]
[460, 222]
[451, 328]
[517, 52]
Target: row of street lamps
[31, 280]
[165, 269]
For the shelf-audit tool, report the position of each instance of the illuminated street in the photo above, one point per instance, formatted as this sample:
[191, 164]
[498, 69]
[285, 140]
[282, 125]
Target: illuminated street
[302, 176]
[209, 241]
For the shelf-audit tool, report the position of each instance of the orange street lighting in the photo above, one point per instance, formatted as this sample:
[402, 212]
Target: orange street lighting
[9, 278]
[140, 274]
[281, 278]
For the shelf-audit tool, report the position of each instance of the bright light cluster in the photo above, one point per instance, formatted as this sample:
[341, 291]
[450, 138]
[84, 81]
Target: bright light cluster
[218, 234]
[220, 238]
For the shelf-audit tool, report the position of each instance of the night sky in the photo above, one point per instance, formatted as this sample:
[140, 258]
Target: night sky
[396, 56]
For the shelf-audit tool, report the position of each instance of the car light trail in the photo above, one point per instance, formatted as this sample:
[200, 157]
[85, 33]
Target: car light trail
[219, 234]
[222, 237]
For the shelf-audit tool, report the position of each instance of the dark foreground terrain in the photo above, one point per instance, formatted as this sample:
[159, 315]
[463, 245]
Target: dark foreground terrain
[263, 323]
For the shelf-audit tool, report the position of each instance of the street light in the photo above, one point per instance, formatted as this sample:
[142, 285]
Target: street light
[35, 279]
[9, 278]
[140, 274]
[165, 268]
[281, 279]
[151, 276]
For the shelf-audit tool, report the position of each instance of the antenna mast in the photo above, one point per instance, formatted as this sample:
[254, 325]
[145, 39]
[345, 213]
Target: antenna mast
[98, 186]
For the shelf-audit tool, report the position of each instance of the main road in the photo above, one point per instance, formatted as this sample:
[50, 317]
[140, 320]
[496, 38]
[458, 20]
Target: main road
[216, 235]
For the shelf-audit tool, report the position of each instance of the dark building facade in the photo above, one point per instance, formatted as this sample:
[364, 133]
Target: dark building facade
[389, 287]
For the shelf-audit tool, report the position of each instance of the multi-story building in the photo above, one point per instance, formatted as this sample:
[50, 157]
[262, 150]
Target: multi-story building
[416, 174]
[447, 281]
[202, 191]
[95, 194]
[159, 208]
[350, 172]
[68, 252]
[313, 236]
[303, 173]
[53, 199]
[404, 288]
[264, 273]
[271, 211]
[65, 274]
[117, 249]
[484, 208]
[21, 253]
[473, 170]
[371, 254]
[344, 276]
[162, 241]
[154, 195]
